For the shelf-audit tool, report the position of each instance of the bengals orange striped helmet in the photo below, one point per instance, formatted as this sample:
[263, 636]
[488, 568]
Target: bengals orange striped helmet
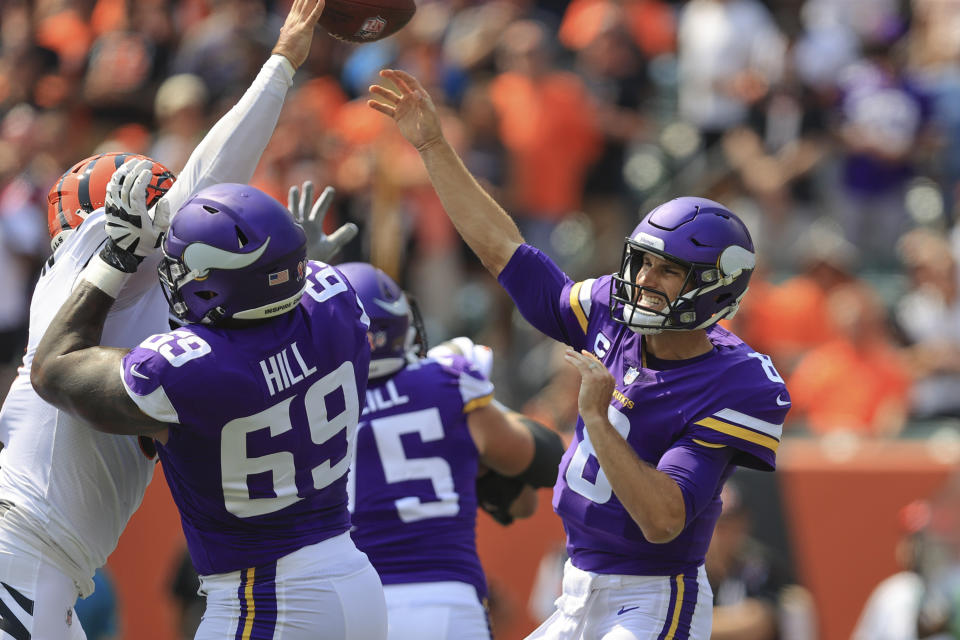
[83, 188]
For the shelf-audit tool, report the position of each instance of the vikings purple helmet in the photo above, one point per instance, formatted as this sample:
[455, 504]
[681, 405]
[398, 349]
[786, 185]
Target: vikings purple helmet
[232, 253]
[706, 239]
[396, 333]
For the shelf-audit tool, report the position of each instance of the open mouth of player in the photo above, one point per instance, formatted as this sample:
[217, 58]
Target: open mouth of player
[650, 302]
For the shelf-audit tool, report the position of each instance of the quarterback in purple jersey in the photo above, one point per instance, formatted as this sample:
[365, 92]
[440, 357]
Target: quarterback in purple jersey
[254, 402]
[669, 402]
[429, 427]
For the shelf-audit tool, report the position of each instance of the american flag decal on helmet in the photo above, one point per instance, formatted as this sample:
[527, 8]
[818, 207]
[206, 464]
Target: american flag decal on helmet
[279, 277]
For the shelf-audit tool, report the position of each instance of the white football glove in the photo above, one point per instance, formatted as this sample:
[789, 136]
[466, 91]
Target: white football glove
[319, 245]
[480, 356]
[129, 225]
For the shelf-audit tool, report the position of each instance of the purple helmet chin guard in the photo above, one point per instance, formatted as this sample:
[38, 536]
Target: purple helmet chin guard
[707, 240]
[396, 331]
[232, 253]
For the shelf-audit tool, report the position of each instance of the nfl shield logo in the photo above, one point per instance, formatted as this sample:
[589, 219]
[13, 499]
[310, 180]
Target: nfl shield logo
[371, 28]
[630, 375]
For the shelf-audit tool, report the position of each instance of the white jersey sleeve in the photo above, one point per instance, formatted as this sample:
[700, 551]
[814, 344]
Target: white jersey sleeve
[231, 150]
[74, 488]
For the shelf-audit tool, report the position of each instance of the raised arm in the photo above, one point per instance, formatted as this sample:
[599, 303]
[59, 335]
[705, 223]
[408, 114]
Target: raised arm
[231, 150]
[481, 222]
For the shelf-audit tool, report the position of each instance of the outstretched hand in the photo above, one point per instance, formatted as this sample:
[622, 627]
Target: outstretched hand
[320, 246]
[296, 34]
[596, 384]
[411, 108]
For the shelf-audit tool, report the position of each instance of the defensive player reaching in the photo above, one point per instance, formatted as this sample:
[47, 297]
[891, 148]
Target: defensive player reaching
[669, 402]
[429, 427]
[66, 491]
[254, 402]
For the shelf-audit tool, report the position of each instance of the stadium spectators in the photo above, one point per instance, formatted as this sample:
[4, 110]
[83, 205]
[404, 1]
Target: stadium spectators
[857, 381]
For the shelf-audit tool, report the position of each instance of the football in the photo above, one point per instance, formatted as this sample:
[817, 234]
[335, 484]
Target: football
[366, 20]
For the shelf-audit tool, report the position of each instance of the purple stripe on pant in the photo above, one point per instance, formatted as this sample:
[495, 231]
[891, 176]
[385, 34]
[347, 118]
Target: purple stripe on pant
[691, 593]
[258, 608]
[684, 591]
[242, 596]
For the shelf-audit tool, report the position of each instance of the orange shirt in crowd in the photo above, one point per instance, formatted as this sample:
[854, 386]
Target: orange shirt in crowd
[837, 386]
[785, 320]
[651, 23]
[547, 124]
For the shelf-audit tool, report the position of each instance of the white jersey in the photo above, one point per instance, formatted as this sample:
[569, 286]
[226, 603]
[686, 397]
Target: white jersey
[73, 489]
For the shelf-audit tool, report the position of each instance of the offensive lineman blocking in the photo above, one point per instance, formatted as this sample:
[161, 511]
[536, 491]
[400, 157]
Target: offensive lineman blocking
[254, 403]
[67, 491]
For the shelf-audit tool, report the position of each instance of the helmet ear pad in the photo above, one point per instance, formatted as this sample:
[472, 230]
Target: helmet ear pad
[233, 253]
[82, 189]
[702, 236]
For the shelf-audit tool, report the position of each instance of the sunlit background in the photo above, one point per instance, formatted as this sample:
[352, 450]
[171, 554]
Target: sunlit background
[832, 127]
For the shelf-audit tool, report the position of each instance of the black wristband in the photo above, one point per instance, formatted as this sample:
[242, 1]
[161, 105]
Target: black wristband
[119, 259]
[548, 448]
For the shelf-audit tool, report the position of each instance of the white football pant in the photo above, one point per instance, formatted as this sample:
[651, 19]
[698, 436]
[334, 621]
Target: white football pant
[617, 607]
[326, 591]
[435, 611]
[36, 599]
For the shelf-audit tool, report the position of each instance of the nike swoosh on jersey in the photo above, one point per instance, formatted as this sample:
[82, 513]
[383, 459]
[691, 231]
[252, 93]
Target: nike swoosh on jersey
[782, 403]
[398, 307]
[133, 370]
[623, 610]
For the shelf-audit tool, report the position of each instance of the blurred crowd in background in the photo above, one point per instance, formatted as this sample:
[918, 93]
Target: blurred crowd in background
[831, 126]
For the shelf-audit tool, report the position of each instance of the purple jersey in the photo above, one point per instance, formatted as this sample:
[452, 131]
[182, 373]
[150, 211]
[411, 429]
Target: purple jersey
[415, 503]
[262, 420]
[731, 398]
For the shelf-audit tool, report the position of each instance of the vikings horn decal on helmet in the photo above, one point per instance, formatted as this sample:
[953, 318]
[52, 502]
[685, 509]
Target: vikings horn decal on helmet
[82, 189]
[396, 332]
[703, 237]
[232, 253]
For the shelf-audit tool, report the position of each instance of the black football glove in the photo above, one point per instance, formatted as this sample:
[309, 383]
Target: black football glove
[495, 494]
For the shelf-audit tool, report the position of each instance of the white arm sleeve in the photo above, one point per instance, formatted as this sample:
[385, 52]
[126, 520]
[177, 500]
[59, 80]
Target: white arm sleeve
[231, 150]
